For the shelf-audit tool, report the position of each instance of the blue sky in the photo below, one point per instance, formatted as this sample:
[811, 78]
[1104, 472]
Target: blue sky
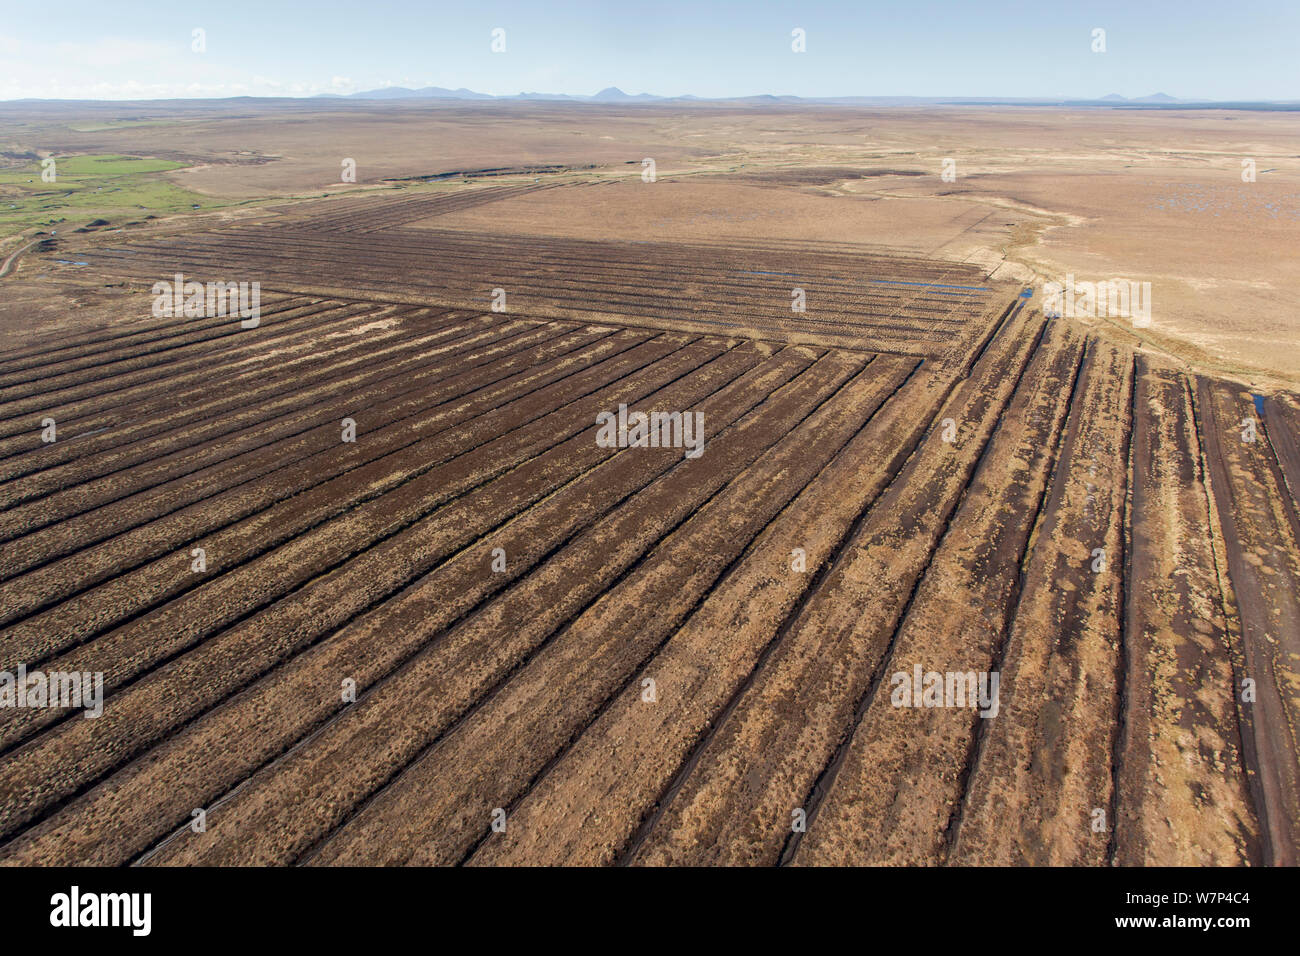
[141, 48]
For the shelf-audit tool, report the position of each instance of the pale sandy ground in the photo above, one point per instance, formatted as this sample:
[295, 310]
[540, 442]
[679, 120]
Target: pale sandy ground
[1150, 196]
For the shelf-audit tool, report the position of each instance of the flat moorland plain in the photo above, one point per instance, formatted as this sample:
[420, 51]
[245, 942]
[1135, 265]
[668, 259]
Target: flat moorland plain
[365, 586]
[1040, 194]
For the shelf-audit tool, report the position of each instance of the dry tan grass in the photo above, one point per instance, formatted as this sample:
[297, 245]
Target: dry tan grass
[1040, 193]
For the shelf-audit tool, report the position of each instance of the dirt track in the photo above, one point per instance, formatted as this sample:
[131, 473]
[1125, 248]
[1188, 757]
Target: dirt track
[681, 660]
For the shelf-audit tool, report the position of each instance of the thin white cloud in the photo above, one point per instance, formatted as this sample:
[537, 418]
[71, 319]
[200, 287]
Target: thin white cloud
[114, 52]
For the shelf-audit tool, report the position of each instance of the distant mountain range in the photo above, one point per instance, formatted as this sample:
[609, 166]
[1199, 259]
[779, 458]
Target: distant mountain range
[1153, 98]
[402, 93]
[612, 94]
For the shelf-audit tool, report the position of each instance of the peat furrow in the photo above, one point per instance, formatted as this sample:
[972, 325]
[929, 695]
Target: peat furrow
[272, 429]
[109, 365]
[1262, 559]
[728, 255]
[450, 441]
[136, 526]
[101, 429]
[622, 262]
[1282, 423]
[247, 403]
[1045, 760]
[114, 391]
[591, 800]
[21, 367]
[891, 790]
[635, 680]
[1183, 795]
[736, 803]
[152, 654]
[580, 281]
[551, 695]
[329, 596]
[416, 622]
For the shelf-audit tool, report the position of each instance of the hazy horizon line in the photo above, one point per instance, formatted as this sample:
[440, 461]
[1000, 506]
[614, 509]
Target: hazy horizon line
[615, 95]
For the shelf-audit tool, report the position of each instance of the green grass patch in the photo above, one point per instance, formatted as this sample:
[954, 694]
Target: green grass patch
[110, 187]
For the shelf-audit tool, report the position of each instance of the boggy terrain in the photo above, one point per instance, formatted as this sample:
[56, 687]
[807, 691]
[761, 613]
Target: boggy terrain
[1202, 204]
[950, 582]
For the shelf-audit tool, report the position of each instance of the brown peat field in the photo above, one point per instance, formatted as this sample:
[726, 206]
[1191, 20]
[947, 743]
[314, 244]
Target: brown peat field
[929, 567]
